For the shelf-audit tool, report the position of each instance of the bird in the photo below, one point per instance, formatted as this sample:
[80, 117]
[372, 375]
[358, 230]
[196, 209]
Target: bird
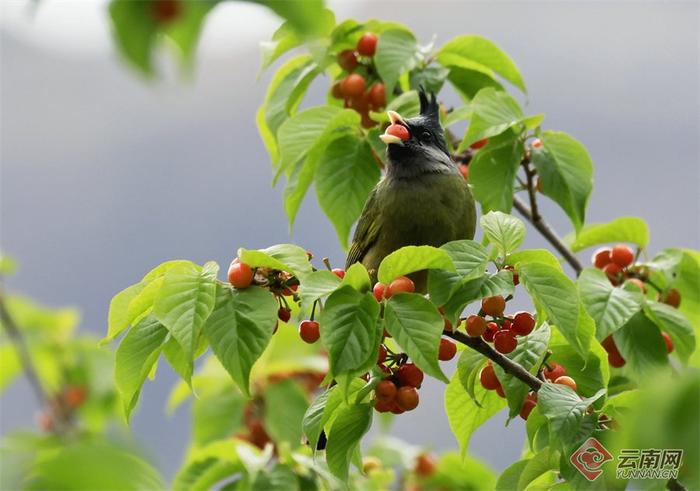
[423, 199]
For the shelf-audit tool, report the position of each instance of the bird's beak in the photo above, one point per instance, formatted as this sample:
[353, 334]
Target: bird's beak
[394, 118]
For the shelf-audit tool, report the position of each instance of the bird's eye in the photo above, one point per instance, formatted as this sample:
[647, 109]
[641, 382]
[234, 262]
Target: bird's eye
[426, 136]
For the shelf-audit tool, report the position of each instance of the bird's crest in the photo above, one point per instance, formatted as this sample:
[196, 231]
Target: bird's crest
[428, 105]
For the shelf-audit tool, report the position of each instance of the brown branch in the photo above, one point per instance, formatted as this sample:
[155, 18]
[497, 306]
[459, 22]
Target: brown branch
[22, 352]
[508, 365]
[549, 234]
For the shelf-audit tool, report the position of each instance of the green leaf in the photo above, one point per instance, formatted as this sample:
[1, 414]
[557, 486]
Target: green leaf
[504, 231]
[357, 277]
[529, 354]
[347, 430]
[455, 472]
[469, 366]
[500, 283]
[303, 139]
[316, 285]
[135, 32]
[566, 173]
[285, 257]
[285, 405]
[185, 300]
[207, 465]
[344, 180]
[93, 463]
[349, 329]
[478, 53]
[591, 372]
[184, 32]
[624, 229]
[609, 306]
[307, 17]
[509, 478]
[135, 357]
[464, 415]
[468, 257]
[641, 345]
[216, 416]
[239, 329]
[432, 78]
[530, 256]
[493, 169]
[494, 112]
[417, 327]
[10, 365]
[556, 294]
[397, 52]
[677, 326]
[564, 409]
[118, 319]
[410, 259]
[468, 82]
[286, 90]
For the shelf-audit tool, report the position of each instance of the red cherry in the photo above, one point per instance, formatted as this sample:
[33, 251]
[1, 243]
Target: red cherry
[491, 330]
[367, 44]
[622, 255]
[402, 284]
[353, 85]
[479, 144]
[75, 395]
[493, 306]
[336, 90]
[464, 170]
[613, 271]
[536, 144]
[601, 257]
[516, 277]
[615, 359]
[407, 398]
[554, 371]
[523, 323]
[568, 381]
[381, 356]
[672, 298]
[504, 341]
[425, 465]
[340, 273]
[399, 131]
[385, 391]
[476, 325]
[240, 275]
[377, 96]
[507, 324]
[378, 291]
[395, 408]
[667, 340]
[347, 60]
[528, 406]
[410, 375]
[309, 331]
[500, 391]
[284, 314]
[448, 350]
[165, 11]
[488, 378]
[383, 407]
[609, 344]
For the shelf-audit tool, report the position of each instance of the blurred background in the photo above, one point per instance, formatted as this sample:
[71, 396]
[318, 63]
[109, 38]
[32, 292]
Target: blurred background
[106, 174]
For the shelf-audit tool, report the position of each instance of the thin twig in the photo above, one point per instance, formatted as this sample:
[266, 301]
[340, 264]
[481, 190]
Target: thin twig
[508, 365]
[22, 352]
[549, 234]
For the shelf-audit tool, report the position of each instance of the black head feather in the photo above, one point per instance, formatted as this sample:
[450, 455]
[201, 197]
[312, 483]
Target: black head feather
[428, 105]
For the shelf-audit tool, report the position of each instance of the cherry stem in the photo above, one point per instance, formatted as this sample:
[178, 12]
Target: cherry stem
[327, 262]
[508, 365]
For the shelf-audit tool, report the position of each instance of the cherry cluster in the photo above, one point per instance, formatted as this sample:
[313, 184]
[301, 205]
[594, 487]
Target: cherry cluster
[398, 392]
[61, 407]
[358, 66]
[501, 330]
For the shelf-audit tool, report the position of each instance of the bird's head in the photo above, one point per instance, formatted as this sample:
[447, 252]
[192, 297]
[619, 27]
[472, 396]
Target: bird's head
[417, 146]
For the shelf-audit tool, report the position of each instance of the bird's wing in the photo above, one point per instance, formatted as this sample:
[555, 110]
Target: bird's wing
[367, 230]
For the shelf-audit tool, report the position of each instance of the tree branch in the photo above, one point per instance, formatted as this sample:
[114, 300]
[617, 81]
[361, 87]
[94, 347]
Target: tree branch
[22, 352]
[508, 365]
[549, 234]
